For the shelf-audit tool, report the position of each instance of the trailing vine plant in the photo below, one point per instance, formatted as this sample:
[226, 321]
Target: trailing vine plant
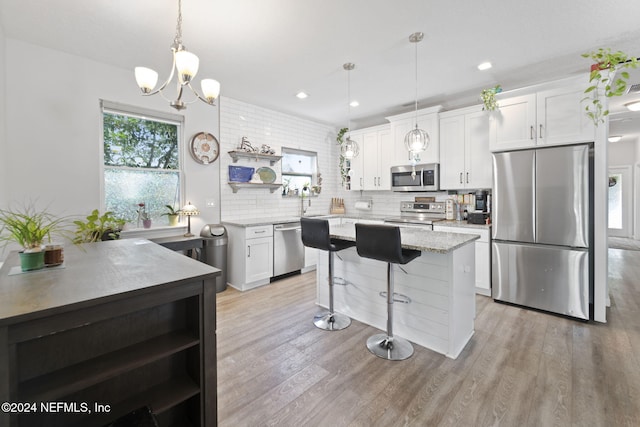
[488, 97]
[344, 174]
[604, 81]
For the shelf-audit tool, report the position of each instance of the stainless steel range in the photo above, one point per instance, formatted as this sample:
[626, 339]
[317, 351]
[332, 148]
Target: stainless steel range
[419, 213]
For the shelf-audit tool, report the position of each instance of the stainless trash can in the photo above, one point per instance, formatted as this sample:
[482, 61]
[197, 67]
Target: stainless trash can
[214, 251]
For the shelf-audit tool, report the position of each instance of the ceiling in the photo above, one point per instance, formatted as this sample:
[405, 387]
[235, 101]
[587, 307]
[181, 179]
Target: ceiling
[264, 52]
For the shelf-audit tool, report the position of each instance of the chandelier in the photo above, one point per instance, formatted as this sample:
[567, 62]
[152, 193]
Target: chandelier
[416, 140]
[349, 149]
[186, 63]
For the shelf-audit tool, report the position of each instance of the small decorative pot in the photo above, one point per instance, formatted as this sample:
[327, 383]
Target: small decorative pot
[53, 255]
[173, 220]
[146, 223]
[31, 260]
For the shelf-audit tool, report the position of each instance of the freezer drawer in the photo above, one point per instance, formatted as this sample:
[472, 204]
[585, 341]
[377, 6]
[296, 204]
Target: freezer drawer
[544, 277]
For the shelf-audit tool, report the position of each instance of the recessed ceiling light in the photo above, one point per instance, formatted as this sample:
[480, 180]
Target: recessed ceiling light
[301, 95]
[484, 66]
[633, 106]
[354, 103]
[615, 138]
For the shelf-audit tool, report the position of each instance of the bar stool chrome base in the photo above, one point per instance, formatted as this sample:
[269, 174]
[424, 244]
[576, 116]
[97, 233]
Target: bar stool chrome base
[395, 348]
[331, 322]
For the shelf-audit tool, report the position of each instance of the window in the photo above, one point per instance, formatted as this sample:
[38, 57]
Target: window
[299, 170]
[141, 158]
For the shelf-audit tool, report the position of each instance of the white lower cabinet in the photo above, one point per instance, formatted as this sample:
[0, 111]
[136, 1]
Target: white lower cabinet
[483, 255]
[250, 256]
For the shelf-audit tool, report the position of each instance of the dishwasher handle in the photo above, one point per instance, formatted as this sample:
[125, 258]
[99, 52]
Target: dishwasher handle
[280, 228]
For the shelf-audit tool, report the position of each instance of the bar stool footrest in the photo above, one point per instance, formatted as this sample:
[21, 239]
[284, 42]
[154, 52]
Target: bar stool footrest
[397, 297]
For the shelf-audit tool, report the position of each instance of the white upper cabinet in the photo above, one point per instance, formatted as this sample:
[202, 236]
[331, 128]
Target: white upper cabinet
[371, 169]
[547, 117]
[428, 120]
[465, 159]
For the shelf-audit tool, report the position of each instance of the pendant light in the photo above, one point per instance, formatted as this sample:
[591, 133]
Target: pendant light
[349, 149]
[416, 140]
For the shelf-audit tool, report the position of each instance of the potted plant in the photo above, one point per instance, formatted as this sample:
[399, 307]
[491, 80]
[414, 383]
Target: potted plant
[98, 227]
[488, 97]
[143, 216]
[344, 173]
[29, 227]
[172, 214]
[605, 80]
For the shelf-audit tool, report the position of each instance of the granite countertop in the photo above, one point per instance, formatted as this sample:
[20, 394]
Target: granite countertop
[414, 238]
[462, 224]
[250, 222]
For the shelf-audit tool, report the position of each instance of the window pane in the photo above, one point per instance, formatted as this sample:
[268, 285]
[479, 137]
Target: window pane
[135, 142]
[124, 189]
[298, 161]
[615, 201]
[296, 182]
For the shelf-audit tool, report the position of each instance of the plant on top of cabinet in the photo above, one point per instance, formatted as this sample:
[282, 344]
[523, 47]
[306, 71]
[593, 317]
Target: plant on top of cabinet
[342, 164]
[29, 227]
[603, 82]
[98, 227]
[488, 97]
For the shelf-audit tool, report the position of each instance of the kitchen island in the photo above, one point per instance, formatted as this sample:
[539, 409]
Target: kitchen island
[120, 325]
[440, 285]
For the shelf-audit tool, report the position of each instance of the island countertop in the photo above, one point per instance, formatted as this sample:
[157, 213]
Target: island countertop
[90, 272]
[414, 238]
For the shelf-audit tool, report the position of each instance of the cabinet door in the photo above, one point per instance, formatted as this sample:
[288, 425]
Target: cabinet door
[452, 155]
[385, 159]
[259, 259]
[399, 129]
[478, 160]
[369, 153]
[513, 124]
[356, 170]
[561, 117]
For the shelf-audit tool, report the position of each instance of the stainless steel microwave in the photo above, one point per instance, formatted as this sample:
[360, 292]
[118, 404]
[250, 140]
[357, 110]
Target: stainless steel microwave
[426, 178]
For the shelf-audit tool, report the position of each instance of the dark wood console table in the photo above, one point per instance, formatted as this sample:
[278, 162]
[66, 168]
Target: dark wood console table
[123, 324]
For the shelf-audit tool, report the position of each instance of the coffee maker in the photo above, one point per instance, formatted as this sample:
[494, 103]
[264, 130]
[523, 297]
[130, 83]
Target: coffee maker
[482, 201]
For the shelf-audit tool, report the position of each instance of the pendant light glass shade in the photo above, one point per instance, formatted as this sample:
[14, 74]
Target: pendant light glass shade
[416, 140]
[349, 148]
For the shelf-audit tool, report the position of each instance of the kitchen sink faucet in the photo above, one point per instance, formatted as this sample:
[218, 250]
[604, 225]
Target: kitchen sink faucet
[303, 210]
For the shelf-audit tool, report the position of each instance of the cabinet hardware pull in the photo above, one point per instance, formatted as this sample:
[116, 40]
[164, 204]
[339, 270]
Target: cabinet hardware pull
[467, 177]
[248, 251]
[540, 131]
[460, 177]
[531, 132]
[259, 232]
[361, 183]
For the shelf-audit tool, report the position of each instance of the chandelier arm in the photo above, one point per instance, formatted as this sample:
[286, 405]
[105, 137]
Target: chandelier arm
[173, 68]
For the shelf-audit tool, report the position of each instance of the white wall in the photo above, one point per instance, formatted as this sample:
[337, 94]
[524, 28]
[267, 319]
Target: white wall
[52, 130]
[3, 137]
[622, 153]
[264, 126]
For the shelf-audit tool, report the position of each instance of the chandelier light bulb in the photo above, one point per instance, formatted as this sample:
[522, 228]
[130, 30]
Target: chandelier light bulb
[210, 89]
[146, 79]
[187, 65]
[350, 149]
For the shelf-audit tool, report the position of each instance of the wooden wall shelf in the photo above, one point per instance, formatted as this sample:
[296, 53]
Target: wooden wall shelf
[235, 155]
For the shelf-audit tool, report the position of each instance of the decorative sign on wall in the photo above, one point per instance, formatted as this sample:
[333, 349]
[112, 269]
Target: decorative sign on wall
[204, 148]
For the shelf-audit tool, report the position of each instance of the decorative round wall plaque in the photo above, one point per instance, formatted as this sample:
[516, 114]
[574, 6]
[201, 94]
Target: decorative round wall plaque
[204, 148]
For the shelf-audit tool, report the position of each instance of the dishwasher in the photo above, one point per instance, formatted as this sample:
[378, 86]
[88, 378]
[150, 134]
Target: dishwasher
[288, 250]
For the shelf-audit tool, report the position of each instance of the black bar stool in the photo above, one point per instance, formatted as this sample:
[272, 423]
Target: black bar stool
[315, 234]
[382, 242]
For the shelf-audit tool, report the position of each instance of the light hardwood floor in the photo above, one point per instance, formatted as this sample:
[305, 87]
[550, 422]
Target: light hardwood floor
[521, 368]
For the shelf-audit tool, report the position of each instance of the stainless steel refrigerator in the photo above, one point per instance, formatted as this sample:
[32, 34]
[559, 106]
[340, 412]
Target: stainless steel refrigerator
[542, 229]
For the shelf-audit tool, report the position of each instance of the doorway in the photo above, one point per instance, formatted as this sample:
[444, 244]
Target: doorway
[620, 206]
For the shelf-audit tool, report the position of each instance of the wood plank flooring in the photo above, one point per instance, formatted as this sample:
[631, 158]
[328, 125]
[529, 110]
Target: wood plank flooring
[521, 368]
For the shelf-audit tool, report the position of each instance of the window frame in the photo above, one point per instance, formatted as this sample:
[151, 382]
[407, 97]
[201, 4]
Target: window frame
[296, 151]
[112, 107]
